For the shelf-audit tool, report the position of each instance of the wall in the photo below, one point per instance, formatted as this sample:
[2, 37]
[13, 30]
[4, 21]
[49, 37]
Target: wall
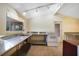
[69, 13]
[3, 10]
[42, 19]
[69, 24]
[2, 18]
[41, 25]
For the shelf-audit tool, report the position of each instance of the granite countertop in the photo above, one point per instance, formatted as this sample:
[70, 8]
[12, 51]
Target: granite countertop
[7, 44]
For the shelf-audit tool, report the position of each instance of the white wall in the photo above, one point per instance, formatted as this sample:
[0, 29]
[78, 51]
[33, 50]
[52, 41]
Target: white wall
[42, 19]
[42, 24]
[2, 18]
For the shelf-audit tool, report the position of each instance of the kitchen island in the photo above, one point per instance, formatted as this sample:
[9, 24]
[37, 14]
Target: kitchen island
[71, 44]
[10, 45]
[71, 47]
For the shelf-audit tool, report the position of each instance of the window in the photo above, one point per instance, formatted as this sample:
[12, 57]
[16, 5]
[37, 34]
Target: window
[13, 25]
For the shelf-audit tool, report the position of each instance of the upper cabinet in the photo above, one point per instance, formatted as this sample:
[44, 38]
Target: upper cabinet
[13, 22]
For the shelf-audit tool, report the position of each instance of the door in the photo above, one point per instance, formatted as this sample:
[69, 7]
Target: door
[57, 30]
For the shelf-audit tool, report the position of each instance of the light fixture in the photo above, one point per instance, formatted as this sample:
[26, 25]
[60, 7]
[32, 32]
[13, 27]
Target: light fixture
[24, 13]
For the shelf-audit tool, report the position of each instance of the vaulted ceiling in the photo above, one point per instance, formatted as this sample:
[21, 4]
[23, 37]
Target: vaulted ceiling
[26, 6]
[67, 9]
[37, 10]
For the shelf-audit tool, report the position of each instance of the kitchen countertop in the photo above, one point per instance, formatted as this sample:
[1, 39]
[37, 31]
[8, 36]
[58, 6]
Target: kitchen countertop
[73, 41]
[7, 44]
[72, 37]
[39, 34]
[72, 33]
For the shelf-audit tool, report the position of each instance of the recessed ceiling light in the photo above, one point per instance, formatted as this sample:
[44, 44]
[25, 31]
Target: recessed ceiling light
[24, 13]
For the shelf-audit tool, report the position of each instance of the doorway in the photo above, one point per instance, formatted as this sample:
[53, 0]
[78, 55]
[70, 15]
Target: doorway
[57, 30]
[57, 26]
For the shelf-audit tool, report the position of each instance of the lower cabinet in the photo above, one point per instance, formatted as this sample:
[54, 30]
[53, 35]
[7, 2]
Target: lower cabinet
[10, 52]
[22, 51]
[38, 39]
[19, 50]
[69, 49]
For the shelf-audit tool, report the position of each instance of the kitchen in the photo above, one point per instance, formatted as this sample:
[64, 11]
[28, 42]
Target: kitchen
[37, 29]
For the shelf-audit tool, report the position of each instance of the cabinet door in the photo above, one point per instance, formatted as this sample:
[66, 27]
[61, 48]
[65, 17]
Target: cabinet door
[24, 49]
[10, 52]
[69, 49]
